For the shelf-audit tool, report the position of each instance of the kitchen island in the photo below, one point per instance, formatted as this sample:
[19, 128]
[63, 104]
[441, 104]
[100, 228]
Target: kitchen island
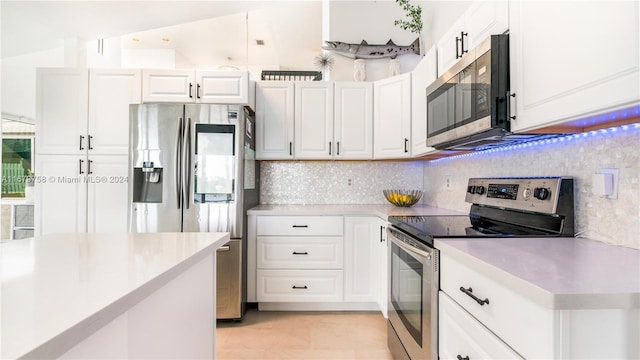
[109, 295]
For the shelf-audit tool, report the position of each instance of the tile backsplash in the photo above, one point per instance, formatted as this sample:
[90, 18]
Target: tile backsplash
[335, 182]
[611, 221]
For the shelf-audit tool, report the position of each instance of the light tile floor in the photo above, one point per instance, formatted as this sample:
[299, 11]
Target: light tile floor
[304, 335]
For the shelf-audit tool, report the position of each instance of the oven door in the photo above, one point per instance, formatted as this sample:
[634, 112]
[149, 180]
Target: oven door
[413, 296]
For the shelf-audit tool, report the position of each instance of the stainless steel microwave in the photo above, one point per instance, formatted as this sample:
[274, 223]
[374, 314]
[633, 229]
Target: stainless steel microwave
[468, 106]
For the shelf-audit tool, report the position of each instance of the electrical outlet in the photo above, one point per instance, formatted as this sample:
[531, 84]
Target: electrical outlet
[448, 182]
[349, 182]
[615, 174]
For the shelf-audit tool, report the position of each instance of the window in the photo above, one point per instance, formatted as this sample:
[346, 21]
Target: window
[17, 157]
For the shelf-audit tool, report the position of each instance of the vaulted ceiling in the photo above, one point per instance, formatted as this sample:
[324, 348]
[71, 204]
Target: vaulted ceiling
[201, 32]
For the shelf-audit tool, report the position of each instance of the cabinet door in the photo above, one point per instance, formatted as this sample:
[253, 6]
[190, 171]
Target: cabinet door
[462, 336]
[566, 67]
[274, 120]
[61, 111]
[111, 91]
[421, 77]
[449, 46]
[313, 120]
[222, 87]
[353, 120]
[107, 203]
[168, 86]
[382, 276]
[360, 265]
[392, 117]
[485, 18]
[61, 194]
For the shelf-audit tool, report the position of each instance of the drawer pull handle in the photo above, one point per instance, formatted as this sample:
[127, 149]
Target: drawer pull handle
[300, 253]
[469, 292]
[459, 357]
[300, 226]
[299, 287]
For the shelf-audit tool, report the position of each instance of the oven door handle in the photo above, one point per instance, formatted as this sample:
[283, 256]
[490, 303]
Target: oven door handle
[407, 247]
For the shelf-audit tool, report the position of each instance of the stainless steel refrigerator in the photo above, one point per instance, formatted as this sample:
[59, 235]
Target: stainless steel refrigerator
[192, 168]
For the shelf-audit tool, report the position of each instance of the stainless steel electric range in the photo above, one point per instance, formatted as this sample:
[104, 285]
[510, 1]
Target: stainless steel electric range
[501, 207]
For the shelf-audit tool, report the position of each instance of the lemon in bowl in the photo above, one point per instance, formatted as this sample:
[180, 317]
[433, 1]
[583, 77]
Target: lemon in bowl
[403, 198]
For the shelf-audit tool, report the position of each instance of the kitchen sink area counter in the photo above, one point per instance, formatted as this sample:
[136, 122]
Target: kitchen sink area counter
[117, 295]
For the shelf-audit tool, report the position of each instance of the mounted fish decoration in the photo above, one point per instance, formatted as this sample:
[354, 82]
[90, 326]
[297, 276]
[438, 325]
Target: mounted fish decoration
[366, 51]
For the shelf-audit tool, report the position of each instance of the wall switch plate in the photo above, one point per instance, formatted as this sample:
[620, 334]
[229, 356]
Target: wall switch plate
[448, 182]
[605, 183]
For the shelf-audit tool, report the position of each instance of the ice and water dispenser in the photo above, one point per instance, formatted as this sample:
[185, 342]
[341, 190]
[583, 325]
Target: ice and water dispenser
[147, 179]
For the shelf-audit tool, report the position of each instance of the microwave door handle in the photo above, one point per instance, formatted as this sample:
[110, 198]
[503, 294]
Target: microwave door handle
[509, 107]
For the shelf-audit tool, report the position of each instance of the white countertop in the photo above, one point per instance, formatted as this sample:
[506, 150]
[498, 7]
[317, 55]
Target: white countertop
[55, 285]
[380, 210]
[558, 273]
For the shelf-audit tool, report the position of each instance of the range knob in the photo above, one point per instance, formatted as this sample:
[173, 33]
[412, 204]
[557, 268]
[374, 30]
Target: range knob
[480, 190]
[471, 189]
[541, 193]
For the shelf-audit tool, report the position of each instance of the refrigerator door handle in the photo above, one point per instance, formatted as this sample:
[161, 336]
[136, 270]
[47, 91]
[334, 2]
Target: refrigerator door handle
[179, 162]
[187, 162]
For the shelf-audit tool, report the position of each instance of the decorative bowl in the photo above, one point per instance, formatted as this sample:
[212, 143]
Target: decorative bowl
[403, 198]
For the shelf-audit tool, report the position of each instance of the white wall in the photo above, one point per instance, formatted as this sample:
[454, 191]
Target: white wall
[19, 81]
[372, 21]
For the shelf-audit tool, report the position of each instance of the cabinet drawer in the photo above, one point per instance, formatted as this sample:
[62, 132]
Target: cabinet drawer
[300, 225]
[460, 334]
[316, 252]
[299, 285]
[510, 315]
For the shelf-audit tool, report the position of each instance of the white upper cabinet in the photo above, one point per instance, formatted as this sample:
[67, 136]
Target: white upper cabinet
[392, 117]
[313, 124]
[314, 120]
[274, 120]
[61, 111]
[84, 111]
[422, 76]
[353, 120]
[111, 91]
[188, 86]
[482, 19]
[222, 87]
[566, 64]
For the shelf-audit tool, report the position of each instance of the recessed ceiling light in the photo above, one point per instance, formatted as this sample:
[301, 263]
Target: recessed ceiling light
[259, 42]
[165, 39]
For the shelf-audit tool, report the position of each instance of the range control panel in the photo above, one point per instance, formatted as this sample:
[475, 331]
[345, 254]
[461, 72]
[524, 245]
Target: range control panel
[538, 194]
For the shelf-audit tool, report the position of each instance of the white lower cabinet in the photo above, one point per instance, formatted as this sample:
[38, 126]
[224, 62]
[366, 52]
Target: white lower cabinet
[299, 285]
[481, 316]
[316, 262]
[382, 276]
[360, 259]
[462, 336]
[281, 252]
[299, 259]
[504, 311]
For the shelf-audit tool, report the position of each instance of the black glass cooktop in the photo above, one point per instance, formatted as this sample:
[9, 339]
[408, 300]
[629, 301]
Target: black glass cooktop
[426, 228]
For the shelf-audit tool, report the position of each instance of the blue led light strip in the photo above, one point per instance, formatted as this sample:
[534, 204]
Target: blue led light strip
[555, 140]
